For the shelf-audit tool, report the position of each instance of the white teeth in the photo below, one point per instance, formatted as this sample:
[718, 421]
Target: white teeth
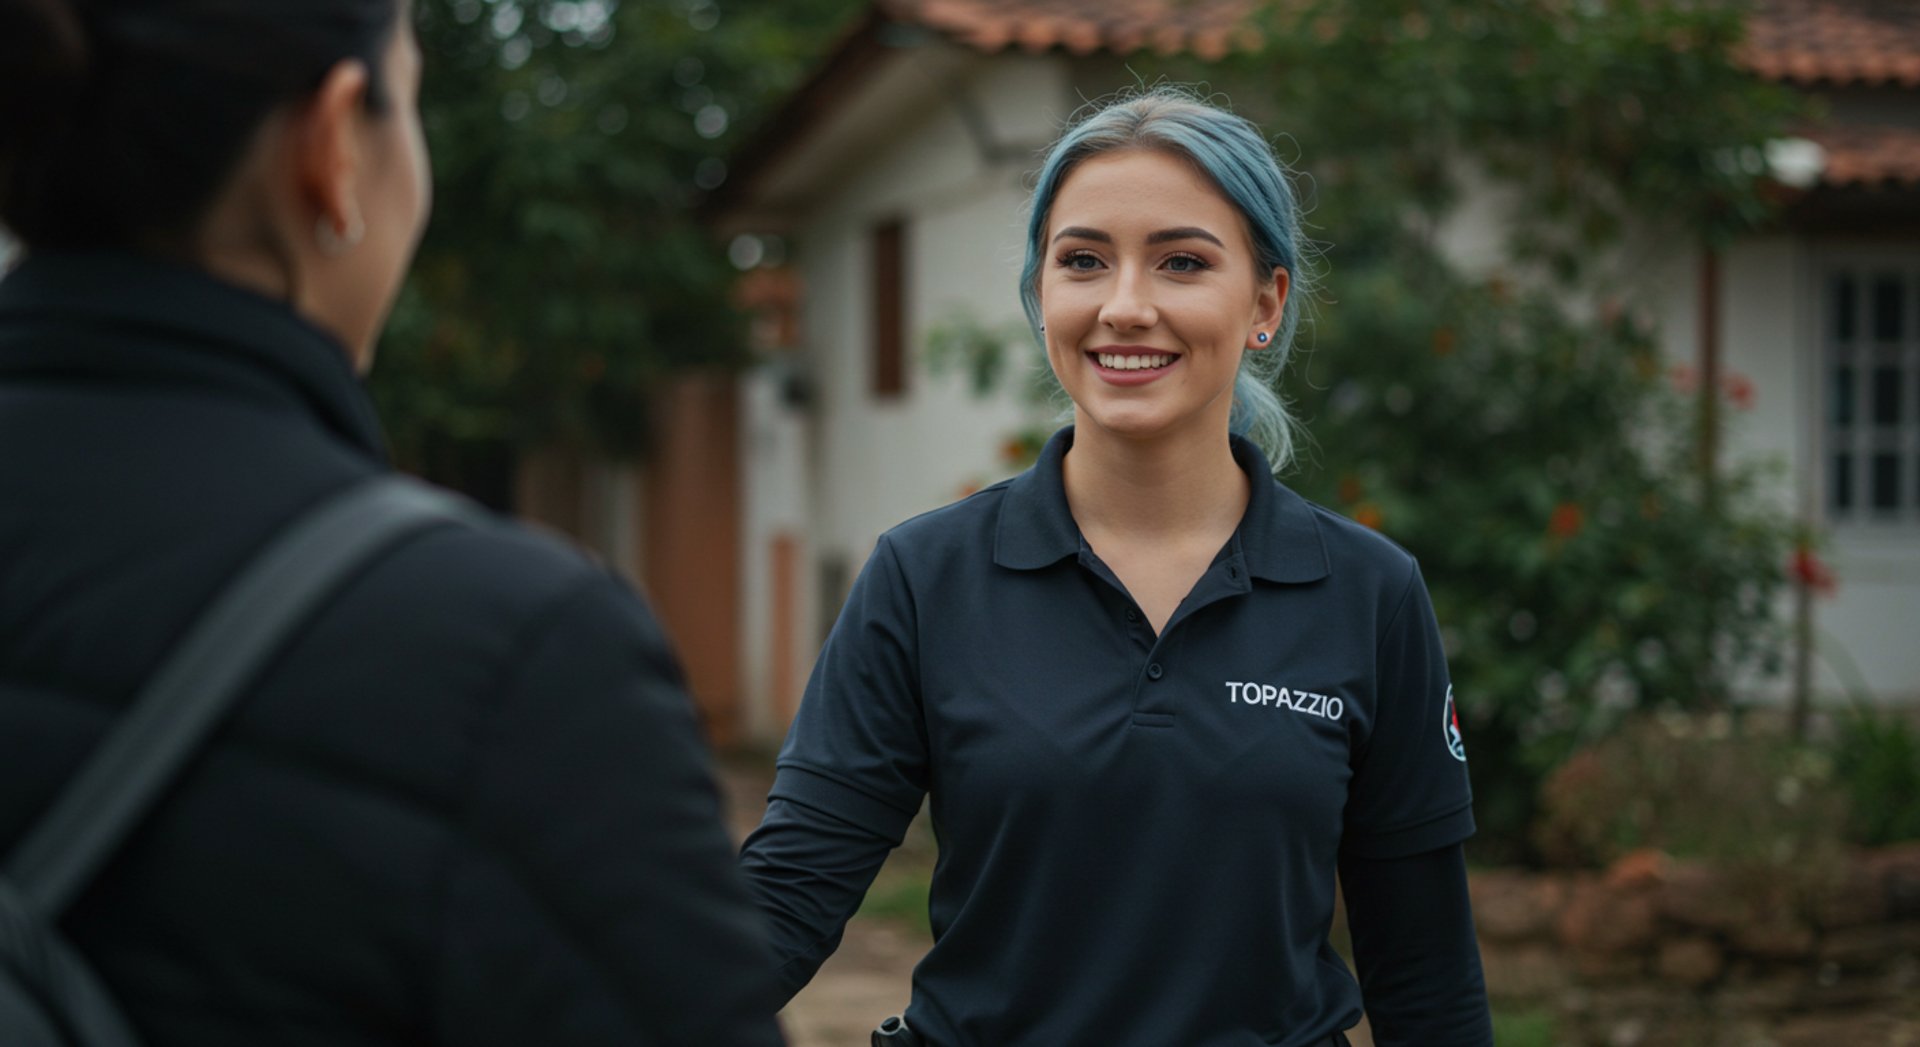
[1131, 363]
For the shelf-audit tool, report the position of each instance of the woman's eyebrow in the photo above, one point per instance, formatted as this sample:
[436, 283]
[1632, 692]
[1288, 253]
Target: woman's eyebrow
[1185, 232]
[1081, 232]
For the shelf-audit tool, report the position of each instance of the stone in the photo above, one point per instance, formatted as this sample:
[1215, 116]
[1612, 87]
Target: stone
[1898, 870]
[1856, 898]
[1692, 962]
[1600, 919]
[1524, 972]
[1746, 992]
[1602, 968]
[1645, 867]
[1777, 937]
[1515, 907]
[1695, 896]
[1871, 948]
[1823, 1030]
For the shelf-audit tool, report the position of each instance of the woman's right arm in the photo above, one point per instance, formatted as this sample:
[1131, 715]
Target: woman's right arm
[809, 870]
[850, 777]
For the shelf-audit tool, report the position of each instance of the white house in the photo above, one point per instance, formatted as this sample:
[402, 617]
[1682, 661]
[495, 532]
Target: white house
[894, 177]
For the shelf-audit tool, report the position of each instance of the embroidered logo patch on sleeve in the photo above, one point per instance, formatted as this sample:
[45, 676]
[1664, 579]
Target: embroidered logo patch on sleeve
[1450, 728]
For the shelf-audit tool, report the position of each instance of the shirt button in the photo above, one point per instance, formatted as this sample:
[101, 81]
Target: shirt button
[1154, 672]
[1132, 615]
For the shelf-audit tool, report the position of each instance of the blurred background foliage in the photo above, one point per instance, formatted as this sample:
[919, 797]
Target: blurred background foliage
[563, 275]
[1517, 429]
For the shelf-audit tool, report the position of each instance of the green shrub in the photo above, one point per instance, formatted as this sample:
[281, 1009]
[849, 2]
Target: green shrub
[1700, 788]
[1876, 759]
[1545, 472]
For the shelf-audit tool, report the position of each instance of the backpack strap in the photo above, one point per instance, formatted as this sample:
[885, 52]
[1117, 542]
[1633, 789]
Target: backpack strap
[194, 688]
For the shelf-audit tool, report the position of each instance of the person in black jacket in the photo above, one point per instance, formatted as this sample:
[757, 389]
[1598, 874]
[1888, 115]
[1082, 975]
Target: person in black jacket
[469, 804]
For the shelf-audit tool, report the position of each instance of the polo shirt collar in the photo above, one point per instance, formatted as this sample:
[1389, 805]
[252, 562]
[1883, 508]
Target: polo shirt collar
[161, 322]
[1278, 538]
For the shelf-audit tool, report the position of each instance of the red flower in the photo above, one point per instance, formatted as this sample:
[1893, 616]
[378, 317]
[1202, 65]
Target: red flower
[1809, 570]
[1567, 520]
[1739, 389]
[1368, 515]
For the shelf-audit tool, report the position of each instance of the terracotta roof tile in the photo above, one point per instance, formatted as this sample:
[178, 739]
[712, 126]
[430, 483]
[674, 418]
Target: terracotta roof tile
[1799, 41]
[1808, 43]
[1870, 157]
[1207, 28]
[1835, 41]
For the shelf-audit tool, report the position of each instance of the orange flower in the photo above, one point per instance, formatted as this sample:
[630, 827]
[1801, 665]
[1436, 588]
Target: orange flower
[1367, 514]
[1014, 450]
[1567, 520]
[1443, 339]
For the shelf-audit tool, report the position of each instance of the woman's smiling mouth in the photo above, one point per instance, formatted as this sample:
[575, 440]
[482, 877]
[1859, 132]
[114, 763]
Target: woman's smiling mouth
[1131, 366]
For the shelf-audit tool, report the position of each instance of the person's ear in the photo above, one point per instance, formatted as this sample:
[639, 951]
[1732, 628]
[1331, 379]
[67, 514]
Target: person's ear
[1269, 306]
[327, 159]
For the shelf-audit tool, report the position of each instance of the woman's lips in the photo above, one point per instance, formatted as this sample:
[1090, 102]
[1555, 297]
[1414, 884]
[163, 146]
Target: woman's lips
[1132, 367]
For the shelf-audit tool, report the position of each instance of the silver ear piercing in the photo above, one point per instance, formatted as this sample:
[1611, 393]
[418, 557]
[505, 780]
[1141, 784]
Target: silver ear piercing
[1261, 337]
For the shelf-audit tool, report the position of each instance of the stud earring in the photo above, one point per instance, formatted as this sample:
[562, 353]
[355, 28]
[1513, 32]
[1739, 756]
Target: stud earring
[1043, 328]
[1261, 337]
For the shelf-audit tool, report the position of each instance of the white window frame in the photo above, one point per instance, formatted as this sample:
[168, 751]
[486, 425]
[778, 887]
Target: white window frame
[1864, 438]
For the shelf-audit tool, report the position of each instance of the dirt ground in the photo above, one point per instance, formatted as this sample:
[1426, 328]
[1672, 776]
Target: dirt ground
[865, 980]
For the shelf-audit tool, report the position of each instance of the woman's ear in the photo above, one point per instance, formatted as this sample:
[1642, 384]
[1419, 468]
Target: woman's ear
[327, 160]
[1269, 306]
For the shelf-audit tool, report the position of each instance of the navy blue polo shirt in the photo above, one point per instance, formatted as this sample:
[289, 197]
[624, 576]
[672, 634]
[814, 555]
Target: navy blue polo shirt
[1138, 833]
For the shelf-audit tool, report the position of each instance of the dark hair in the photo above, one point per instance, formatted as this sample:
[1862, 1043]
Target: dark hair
[121, 119]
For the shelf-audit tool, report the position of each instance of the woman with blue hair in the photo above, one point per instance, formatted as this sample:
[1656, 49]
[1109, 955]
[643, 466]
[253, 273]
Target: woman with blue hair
[1156, 700]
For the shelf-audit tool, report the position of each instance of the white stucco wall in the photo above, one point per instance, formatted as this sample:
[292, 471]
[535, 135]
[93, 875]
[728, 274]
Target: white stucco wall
[1770, 328]
[854, 465]
[1869, 626]
[883, 461]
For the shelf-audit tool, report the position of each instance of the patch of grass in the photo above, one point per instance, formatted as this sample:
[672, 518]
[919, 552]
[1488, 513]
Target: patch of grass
[1523, 1028]
[900, 899]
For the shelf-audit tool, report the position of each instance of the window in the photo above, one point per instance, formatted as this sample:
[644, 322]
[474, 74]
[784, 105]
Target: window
[889, 370]
[1870, 322]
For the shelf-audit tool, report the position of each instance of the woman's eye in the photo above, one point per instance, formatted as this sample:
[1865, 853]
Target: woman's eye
[1080, 262]
[1185, 263]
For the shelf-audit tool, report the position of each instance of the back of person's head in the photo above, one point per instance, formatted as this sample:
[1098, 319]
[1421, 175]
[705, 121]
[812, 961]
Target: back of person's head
[1233, 155]
[121, 120]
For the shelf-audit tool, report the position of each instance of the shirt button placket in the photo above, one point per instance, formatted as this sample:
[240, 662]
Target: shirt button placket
[1154, 672]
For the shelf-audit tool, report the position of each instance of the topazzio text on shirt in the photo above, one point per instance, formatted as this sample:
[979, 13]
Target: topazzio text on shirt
[1325, 706]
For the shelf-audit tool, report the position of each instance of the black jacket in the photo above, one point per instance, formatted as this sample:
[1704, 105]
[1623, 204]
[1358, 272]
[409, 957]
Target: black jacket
[469, 804]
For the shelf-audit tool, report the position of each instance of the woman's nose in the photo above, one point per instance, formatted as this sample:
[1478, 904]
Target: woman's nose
[1128, 305]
